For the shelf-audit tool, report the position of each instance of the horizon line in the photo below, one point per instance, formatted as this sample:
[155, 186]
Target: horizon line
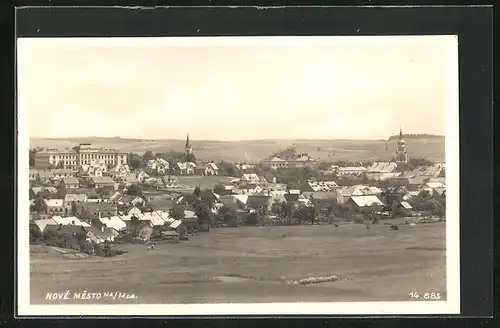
[239, 140]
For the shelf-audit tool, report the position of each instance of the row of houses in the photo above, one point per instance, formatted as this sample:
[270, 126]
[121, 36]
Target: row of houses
[108, 228]
[390, 170]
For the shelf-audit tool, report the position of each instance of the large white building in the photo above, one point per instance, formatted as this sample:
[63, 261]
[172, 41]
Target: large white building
[82, 154]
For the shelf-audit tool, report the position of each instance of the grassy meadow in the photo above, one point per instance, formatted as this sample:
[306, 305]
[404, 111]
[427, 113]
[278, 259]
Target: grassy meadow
[250, 264]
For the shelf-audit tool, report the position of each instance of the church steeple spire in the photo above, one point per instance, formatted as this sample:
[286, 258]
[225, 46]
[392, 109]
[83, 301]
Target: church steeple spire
[187, 147]
[400, 133]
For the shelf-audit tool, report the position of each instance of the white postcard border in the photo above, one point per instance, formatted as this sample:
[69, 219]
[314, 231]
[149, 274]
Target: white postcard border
[450, 306]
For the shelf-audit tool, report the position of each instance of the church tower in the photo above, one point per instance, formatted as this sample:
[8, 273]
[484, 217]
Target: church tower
[188, 149]
[401, 151]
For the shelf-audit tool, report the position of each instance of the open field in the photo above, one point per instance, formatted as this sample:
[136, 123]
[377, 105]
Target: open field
[249, 264]
[256, 150]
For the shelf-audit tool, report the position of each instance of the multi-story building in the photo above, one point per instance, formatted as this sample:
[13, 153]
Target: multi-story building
[82, 154]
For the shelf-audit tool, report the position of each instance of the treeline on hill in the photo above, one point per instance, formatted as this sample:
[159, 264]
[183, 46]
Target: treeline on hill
[417, 136]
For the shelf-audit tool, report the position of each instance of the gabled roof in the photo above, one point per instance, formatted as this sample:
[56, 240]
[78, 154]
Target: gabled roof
[41, 224]
[101, 180]
[100, 206]
[368, 200]
[75, 198]
[70, 220]
[61, 171]
[114, 222]
[213, 166]
[70, 180]
[36, 190]
[45, 174]
[382, 167]
[189, 214]
[241, 198]
[257, 201]
[54, 202]
[175, 224]
[52, 190]
[406, 205]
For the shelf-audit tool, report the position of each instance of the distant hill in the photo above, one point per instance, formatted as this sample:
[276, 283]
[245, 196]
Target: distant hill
[417, 136]
[431, 148]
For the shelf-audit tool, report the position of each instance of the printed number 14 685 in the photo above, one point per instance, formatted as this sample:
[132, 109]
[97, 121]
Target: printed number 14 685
[425, 296]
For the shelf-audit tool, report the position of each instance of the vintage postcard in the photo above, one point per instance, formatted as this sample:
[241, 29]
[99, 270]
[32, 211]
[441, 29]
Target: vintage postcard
[238, 176]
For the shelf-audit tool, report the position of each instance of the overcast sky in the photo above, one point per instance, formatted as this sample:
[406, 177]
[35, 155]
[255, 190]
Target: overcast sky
[244, 88]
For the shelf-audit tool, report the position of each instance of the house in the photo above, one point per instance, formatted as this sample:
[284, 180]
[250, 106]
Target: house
[158, 166]
[120, 171]
[170, 181]
[91, 171]
[382, 171]
[99, 236]
[78, 199]
[432, 171]
[178, 226]
[96, 210]
[70, 220]
[55, 206]
[33, 175]
[185, 168]
[292, 195]
[211, 169]
[345, 193]
[36, 190]
[257, 202]
[72, 236]
[154, 218]
[59, 174]
[131, 178]
[274, 189]
[112, 222]
[190, 215]
[300, 161]
[350, 170]
[142, 176]
[365, 201]
[251, 178]
[102, 182]
[250, 189]
[412, 179]
[315, 186]
[435, 188]
[50, 190]
[41, 225]
[45, 176]
[405, 205]
[161, 203]
[70, 183]
[129, 200]
[275, 163]
[244, 167]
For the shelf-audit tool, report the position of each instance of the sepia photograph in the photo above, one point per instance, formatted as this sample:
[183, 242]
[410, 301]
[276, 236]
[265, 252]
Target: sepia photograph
[238, 175]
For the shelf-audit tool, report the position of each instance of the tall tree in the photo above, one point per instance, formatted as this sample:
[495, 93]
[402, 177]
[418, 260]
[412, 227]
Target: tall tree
[177, 212]
[148, 155]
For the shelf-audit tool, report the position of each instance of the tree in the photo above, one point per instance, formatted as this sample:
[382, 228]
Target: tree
[196, 192]
[208, 197]
[73, 208]
[61, 191]
[190, 158]
[177, 212]
[134, 161]
[202, 211]
[35, 235]
[148, 155]
[60, 165]
[32, 153]
[40, 206]
[134, 190]
[219, 189]
[414, 162]
[228, 214]
[252, 218]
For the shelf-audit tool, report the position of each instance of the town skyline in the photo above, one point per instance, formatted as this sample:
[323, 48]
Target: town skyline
[361, 88]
